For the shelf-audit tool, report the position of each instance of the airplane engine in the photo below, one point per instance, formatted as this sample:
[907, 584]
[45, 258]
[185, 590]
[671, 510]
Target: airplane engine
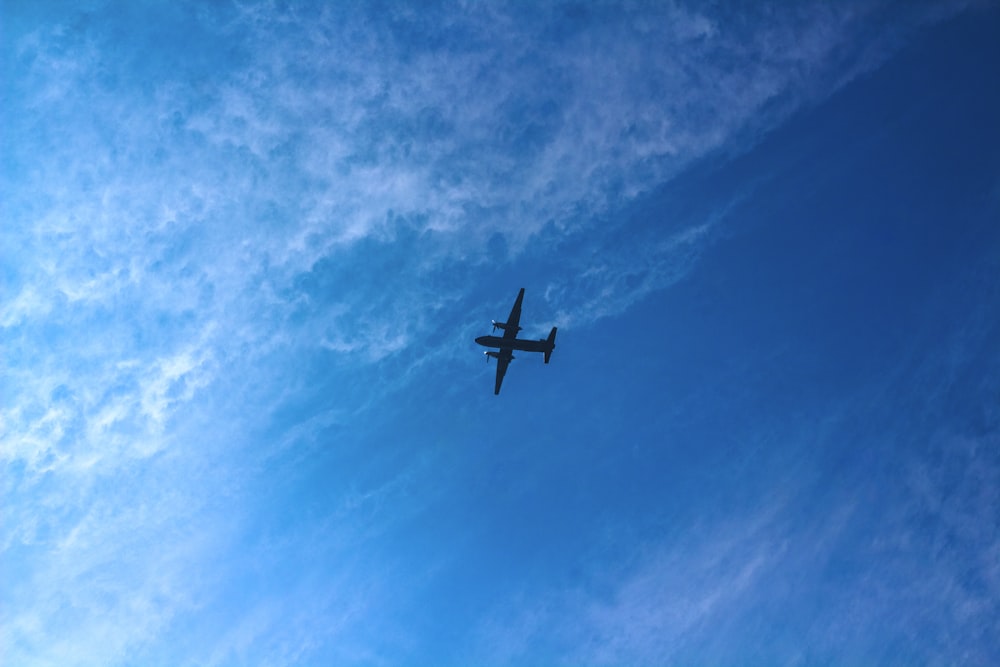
[503, 325]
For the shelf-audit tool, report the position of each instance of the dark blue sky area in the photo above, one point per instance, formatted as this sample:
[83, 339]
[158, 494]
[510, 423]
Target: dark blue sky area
[840, 326]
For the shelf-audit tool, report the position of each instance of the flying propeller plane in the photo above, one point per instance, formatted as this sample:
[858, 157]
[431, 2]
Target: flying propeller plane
[510, 342]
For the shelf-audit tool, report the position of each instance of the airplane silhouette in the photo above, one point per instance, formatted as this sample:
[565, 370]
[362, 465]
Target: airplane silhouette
[510, 342]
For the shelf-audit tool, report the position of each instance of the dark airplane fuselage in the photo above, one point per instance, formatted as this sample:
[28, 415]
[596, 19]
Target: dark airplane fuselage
[515, 343]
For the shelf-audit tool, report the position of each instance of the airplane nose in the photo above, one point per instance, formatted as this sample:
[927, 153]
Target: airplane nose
[480, 340]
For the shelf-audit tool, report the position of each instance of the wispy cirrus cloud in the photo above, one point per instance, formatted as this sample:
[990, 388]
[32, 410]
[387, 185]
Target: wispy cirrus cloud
[328, 129]
[200, 201]
[858, 580]
[652, 612]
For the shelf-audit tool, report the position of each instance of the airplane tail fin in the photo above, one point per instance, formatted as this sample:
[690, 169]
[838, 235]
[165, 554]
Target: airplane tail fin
[551, 340]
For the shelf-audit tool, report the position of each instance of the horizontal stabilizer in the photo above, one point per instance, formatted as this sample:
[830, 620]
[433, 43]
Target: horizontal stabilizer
[551, 340]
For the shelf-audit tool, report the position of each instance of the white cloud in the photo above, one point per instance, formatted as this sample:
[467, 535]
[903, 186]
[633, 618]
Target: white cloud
[650, 611]
[327, 131]
[794, 582]
[162, 228]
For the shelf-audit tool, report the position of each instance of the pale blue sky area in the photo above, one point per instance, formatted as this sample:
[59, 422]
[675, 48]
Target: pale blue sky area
[246, 248]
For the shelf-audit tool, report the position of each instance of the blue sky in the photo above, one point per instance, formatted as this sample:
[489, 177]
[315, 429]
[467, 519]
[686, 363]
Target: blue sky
[246, 248]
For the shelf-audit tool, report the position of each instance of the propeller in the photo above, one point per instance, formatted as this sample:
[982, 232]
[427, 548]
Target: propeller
[504, 326]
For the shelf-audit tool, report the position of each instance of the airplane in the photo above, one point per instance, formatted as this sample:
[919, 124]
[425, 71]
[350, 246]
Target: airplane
[510, 342]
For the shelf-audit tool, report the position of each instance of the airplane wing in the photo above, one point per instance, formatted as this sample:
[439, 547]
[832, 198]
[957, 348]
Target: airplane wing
[502, 361]
[512, 327]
